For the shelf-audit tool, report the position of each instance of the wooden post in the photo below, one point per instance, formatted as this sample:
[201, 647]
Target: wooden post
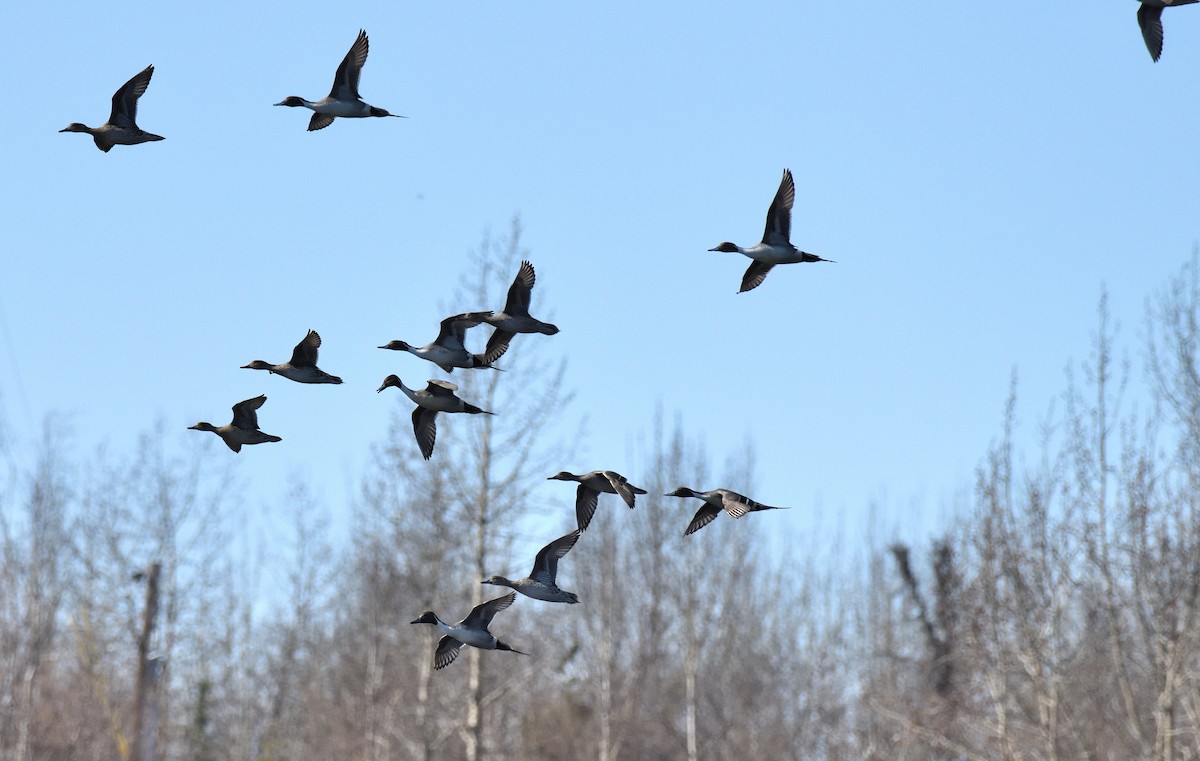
[145, 701]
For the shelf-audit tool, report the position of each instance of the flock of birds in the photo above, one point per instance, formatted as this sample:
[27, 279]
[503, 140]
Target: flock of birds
[448, 351]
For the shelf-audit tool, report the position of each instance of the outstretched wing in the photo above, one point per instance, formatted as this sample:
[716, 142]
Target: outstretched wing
[345, 81]
[482, 614]
[703, 517]
[447, 650]
[124, 100]
[425, 429]
[305, 353]
[620, 485]
[244, 415]
[545, 565]
[585, 505]
[756, 273]
[519, 291]
[779, 216]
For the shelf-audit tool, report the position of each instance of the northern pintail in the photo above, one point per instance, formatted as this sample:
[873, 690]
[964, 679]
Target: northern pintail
[121, 127]
[776, 246]
[515, 317]
[437, 396]
[590, 486]
[1150, 20]
[539, 584]
[717, 500]
[472, 630]
[343, 99]
[243, 429]
[302, 367]
[448, 351]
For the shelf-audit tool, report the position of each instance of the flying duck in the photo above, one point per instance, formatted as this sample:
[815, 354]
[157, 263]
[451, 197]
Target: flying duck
[302, 367]
[539, 584]
[243, 429]
[447, 351]
[590, 486]
[515, 317]
[776, 246]
[343, 99]
[121, 127]
[437, 396]
[715, 501]
[472, 630]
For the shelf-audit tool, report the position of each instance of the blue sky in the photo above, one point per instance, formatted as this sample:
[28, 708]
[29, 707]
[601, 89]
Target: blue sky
[978, 172]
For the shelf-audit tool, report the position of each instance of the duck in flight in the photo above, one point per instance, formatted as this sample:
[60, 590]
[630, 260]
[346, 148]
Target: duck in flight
[715, 501]
[121, 127]
[515, 317]
[590, 487]
[1149, 17]
[343, 99]
[243, 429]
[776, 246]
[540, 583]
[448, 350]
[437, 396]
[302, 367]
[472, 630]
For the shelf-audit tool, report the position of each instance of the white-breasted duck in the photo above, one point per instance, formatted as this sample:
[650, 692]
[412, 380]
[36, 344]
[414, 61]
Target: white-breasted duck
[437, 396]
[717, 500]
[448, 350]
[302, 367]
[472, 630]
[121, 127]
[1149, 18]
[243, 429]
[540, 583]
[343, 100]
[776, 246]
[590, 486]
[515, 317]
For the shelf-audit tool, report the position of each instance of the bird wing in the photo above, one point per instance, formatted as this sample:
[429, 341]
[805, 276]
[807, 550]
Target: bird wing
[319, 121]
[244, 415]
[454, 328]
[345, 81]
[519, 291]
[440, 387]
[1150, 20]
[779, 216]
[305, 353]
[124, 100]
[620, 485]
[703, 517]
[496, 346]
[545, 565]
[585, 505]
[425, 429]
[756, 273]
[447, 650]
[736, 504]
[482, 614]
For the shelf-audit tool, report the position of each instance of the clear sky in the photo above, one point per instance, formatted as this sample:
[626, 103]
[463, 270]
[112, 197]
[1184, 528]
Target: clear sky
[978, 172]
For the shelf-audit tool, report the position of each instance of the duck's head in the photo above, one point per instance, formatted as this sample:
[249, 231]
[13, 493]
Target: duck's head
[682, 491]
[428, 617]
[291, 100]
[499, 581]
[75, 127]
[392, 381]
[727, 247]
[258, 364]
[396, 346]
[562, 475]
[202, 427]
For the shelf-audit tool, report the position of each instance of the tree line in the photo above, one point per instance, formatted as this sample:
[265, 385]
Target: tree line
[1054, 617]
